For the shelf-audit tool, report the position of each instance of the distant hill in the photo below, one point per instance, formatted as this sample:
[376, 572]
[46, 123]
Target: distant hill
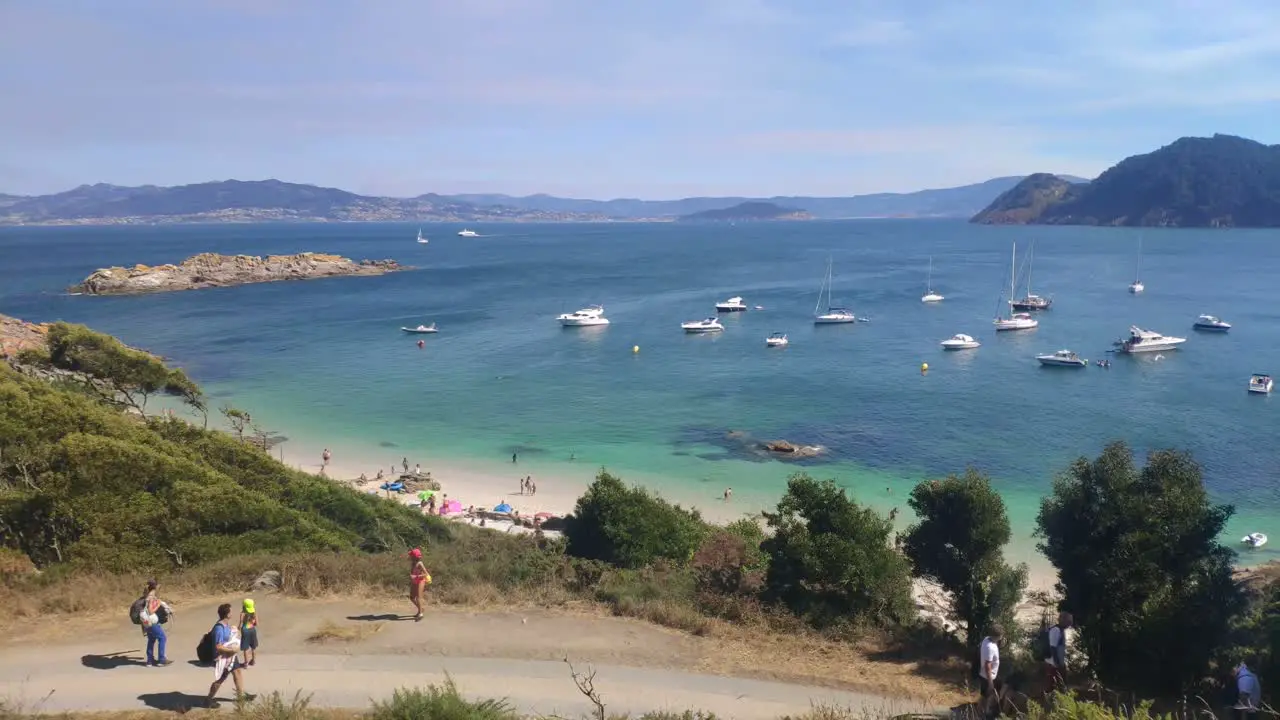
[957, 202]
[1222, 181]
[747, 212]
[274, 200]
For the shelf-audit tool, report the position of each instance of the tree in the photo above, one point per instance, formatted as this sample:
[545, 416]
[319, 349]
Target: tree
[118, 373]
[629, 527]
[830, 560]
[1140, 566]
[959, 542]
[236, 418]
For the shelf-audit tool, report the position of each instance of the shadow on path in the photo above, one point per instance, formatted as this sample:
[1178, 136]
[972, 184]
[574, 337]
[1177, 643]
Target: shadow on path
[175, 701]
[379, 618]
[111, 661]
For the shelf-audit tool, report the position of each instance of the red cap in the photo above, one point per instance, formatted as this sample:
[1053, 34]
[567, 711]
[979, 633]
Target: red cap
[415, 553]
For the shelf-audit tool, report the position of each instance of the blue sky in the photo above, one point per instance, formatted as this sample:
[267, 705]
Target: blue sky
[609, 98]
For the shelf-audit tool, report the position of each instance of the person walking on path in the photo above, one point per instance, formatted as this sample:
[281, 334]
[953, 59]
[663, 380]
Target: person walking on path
[418, 580]
[989, 672]
[1055, 659]
[249, 632]
[226, 648]
[154, 611]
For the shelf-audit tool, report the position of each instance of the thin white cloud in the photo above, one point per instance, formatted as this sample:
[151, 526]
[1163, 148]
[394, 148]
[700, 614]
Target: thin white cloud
[873, 33]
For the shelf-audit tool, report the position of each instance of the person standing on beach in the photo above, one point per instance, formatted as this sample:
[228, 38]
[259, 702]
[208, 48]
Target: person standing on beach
[418, 579]
[226, 647]
[404, 462]
[417, 469]
[514, 457]
[728, 493]
[325, 456]
[533, 488]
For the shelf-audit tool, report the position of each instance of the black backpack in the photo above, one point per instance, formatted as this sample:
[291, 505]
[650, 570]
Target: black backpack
[138, 607]
[205, 650]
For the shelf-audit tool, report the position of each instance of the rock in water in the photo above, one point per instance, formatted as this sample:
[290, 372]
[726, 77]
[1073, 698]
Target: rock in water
[213, 270]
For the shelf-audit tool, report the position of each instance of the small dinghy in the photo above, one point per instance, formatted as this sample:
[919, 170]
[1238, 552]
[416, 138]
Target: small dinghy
[421, 329]
[1254, 540]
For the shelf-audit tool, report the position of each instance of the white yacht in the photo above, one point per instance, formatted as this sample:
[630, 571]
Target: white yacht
[1254, 539]
[929, 295]
[833, 315]
[1260, 384]
[1140, 341]
[1136, 286]
[586, 317]
[733, 304]
[421, 329]
[959, 342]
[421, 240]
[1211, 323]
[1015, 320]
[709, 325]
[776, 340]
[1063, 358]
[468, 233]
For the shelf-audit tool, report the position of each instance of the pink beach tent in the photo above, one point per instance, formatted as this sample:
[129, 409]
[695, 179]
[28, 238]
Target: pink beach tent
[450, 507]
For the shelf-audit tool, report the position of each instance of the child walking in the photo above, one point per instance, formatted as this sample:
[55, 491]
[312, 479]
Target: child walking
[249, 632]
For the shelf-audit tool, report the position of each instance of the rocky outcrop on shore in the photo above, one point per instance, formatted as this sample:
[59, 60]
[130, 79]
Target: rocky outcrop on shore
[208, 270]
[18, 335]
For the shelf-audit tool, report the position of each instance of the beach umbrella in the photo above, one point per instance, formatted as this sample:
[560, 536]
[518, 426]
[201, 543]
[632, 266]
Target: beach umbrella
[502, 507]
[424, 494]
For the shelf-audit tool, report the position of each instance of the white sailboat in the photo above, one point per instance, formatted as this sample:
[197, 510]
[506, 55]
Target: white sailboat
[1136, 286]
[833, 315]
[929, 295]
[1030, 301]
[421, 240]
[1015, 320]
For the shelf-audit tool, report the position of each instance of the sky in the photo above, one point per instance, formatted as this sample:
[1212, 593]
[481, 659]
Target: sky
[619, 98]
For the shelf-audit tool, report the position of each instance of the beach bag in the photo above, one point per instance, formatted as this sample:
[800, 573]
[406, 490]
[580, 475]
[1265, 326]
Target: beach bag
[136, 610]
[205, 650]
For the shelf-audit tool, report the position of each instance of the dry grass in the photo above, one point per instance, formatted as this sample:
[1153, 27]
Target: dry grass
[330, 632]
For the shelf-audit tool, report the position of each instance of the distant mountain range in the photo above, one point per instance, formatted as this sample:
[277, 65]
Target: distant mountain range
[1222, 181]
[748, 212]
[273, 200]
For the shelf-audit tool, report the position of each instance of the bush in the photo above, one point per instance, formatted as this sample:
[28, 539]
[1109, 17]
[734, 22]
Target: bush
[830, 559]
[629, 527]
[440, 703]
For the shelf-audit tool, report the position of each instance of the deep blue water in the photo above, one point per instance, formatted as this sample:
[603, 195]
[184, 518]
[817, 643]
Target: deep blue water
[325, 358]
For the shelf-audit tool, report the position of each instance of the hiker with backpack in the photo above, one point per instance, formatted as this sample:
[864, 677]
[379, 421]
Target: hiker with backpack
[1053, 650]
[151, 613]
[226, 647]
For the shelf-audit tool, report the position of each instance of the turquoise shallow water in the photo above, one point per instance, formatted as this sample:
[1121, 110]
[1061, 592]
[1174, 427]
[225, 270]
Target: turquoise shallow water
[325, 359]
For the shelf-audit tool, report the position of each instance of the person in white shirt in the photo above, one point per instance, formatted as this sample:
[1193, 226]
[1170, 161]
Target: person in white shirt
[989, 671]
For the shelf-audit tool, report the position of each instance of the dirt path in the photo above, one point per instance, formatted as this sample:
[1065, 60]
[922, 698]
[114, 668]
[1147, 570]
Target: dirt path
[96, 663]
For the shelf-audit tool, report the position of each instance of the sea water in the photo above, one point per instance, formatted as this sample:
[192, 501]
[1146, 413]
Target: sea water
[325, 360]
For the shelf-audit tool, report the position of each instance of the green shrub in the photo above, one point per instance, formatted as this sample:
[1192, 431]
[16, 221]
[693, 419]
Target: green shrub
[440, 703]
[629, 527]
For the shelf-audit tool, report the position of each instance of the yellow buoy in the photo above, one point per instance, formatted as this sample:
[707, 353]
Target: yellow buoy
[635, 348]
[924, 367]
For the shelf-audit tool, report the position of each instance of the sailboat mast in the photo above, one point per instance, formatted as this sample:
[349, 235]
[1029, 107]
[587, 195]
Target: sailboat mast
[1031, 253]
[1137, 272]
[1013, 271]
[929, 282]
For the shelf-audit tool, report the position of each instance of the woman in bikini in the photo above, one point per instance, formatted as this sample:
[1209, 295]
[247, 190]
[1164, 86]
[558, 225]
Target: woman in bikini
[418, 579]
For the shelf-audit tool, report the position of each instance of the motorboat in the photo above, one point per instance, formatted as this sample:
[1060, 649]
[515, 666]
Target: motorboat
[1140, 341]
[1136, 287]
[1260, 384]
[421, 240]
[959, 342]
[733, 304]
[929, 295]
[709, 325]
[1017, 321]
[776, 340]
[586, 317]
[421, 329]
[1254, 539]
[1029, 301]
[1212, 324]
[1063, 358]
[468, 233]
[833, 315]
